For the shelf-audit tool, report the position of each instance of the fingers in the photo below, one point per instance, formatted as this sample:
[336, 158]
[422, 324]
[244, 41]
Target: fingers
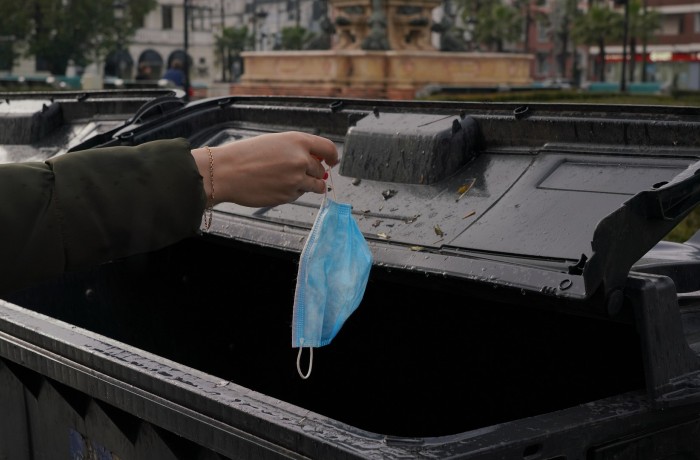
[313, 185]
[269, 169]
[321, 148]
[315, 168]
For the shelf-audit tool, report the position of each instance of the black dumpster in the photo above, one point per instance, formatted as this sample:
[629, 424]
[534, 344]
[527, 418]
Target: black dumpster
[521, 304]
[35, 126]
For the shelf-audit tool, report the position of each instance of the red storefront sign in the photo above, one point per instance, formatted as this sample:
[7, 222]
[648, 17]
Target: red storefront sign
[656, 57]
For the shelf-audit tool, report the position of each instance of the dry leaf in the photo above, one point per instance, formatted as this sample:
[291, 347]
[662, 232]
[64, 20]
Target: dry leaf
[464, 189]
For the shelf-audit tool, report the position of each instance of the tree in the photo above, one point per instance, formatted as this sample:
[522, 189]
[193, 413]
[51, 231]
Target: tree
[82, 30]
[563, 14]
[642, 25]
[229, 45]
[14, 24]
[496, 22]
[525, 7]
[294, 38]
[598, 26]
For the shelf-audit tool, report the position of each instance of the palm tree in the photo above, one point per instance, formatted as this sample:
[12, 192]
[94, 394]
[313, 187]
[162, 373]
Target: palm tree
[642, 25]
[597, 27]
[229, 45]
[563, 14]
[525, 9]
[497, 23]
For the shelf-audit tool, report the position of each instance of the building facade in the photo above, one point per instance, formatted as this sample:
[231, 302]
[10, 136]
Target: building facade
[672, 55]
[162, 38]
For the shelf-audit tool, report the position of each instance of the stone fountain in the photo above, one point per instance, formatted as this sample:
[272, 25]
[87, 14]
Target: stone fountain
[378, 49]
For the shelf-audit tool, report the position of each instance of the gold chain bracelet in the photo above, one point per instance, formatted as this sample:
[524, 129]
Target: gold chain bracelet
[210, 206]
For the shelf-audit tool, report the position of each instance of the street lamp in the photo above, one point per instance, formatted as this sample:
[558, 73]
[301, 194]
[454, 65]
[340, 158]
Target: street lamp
[258, 16]
[625, 27]
[119, 14]
[186, 64]
[119, 58]
[469, 28]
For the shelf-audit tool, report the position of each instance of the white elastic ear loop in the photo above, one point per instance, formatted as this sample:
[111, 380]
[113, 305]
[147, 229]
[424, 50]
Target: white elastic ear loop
[330, 176]
[311, 360]
[301, 341]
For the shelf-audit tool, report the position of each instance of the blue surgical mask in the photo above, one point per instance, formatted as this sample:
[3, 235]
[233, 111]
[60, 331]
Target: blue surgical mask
[333, 273]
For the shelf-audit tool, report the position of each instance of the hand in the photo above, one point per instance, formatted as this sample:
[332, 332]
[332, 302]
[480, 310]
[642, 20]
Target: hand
[268, 169]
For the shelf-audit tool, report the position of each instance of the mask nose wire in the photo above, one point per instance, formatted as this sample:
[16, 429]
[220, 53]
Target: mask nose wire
[311, 360]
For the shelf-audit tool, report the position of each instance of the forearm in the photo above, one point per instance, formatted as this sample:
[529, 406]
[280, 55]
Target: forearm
[139, 199]
[89, 207]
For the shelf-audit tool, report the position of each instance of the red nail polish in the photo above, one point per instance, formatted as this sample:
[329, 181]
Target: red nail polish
[325, 175]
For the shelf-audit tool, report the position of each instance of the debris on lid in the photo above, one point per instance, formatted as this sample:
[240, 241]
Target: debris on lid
[464, 189]
[410, 220]
[389, 193]
[438, 230]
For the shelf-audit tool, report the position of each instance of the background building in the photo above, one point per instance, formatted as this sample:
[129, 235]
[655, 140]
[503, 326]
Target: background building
[672, 55]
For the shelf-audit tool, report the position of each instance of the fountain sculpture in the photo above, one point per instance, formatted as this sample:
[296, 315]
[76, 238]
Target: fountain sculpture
[379, 49]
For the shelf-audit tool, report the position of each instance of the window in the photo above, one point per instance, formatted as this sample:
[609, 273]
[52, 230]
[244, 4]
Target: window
[6, 54]
[292, 7]
[696, 27]
[542, 64]
[201, 18]
[671, 24]
[139, 21]
[542, 32]
[167, 16]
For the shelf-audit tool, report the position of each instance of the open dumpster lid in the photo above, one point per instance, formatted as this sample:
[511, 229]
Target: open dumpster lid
[35, 126]
[557, 199]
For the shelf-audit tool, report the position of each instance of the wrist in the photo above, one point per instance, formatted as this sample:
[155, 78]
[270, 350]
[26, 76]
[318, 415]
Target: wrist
[201, 159]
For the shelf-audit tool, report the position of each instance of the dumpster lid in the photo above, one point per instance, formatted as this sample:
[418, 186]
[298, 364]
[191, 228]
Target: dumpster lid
[35, 126]
[561, 200]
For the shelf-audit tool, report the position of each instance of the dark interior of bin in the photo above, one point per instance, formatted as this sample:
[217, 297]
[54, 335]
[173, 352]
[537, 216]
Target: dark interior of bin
[415, 359]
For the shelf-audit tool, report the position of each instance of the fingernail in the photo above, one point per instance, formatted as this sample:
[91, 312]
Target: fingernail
[325, 175]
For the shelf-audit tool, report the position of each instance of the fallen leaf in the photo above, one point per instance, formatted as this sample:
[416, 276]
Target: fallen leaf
[464, 189]
[438, 230]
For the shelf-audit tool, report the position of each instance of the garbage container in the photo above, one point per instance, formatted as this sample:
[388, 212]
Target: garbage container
[35, 126]
[519, 305]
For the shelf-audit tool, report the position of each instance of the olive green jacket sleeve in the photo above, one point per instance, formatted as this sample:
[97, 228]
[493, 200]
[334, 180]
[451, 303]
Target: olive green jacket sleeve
[85, 208]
